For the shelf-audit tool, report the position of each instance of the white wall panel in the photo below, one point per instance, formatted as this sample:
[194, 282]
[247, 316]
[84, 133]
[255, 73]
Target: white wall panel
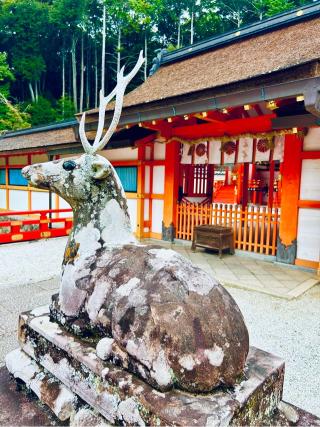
[121, 154]
[311, 141]
[310, 180]
[39, 201]
[158, 180]
[18, 200]
[64, 205]
[3, 199]
[159, 152]
[146, 209]
[147, 180]
[148, 152]
[157, 215]
[132, 208]
[309, 234]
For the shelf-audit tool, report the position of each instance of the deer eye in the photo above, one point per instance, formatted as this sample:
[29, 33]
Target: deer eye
[69, 165]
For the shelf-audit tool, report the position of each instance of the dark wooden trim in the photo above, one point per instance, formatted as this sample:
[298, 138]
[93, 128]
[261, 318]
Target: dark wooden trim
[252, 96]
[301, 120]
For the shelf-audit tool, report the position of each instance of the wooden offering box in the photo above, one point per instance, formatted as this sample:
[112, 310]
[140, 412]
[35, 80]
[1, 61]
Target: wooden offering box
[213, 237]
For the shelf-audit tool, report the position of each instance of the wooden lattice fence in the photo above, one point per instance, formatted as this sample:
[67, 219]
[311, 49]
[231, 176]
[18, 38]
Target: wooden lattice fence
[255, 227]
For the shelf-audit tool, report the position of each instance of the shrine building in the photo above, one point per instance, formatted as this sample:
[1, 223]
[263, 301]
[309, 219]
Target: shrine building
[225, 131]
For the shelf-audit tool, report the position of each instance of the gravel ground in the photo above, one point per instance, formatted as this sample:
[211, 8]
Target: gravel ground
[289, 329]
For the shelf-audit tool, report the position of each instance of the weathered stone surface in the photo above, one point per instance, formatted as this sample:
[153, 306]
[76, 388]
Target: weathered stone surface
[50, 391]
[177, 325]
[21, 408]
[120, 396]
[173, 323]
[86, 417]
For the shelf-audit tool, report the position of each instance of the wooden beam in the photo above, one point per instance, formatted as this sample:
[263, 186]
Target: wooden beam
[301, 120]
[231, 127]
[312, 100]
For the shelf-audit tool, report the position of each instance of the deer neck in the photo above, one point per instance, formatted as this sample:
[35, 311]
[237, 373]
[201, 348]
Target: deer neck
[101, 222]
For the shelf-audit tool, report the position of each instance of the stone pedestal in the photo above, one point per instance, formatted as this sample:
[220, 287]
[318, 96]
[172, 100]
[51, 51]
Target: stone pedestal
[65, 373]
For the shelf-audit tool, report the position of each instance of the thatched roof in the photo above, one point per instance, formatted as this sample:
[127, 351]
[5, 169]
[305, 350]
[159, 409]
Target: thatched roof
[256, 56]
[247, 59]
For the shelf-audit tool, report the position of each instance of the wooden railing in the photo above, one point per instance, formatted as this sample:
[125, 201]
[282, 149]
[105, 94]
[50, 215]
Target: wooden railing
[255, 227]
[33, 225]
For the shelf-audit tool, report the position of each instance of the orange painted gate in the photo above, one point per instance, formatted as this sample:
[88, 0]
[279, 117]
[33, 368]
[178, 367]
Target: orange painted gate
[255, 227]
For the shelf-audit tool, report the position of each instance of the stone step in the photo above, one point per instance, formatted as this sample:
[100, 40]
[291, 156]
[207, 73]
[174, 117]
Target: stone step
[121, 397]
[48, 389]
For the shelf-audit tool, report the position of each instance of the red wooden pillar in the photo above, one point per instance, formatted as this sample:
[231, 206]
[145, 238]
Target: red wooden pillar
[245, 182]
[140, 192]
[170, 190]
[271, 184]
[291, 172]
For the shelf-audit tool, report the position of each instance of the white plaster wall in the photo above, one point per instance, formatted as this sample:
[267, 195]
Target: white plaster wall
[147, 180]
[159, 152]
[127, 153]
[158, 180]
[39, 201]
[18, 200]
[310, 180]
[309, 234]
[3, 198]
[311, 141]
[146, 209]
[132, 207]
[64, 205]
[148, 153]
[157, 215]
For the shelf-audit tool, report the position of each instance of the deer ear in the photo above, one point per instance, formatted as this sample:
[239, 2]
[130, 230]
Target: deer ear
[100, 170]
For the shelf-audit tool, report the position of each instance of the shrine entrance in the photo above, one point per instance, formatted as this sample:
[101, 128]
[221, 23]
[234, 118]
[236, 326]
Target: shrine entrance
[245, 195]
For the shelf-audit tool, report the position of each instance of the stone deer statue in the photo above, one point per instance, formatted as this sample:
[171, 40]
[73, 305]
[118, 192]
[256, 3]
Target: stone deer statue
[149, 309]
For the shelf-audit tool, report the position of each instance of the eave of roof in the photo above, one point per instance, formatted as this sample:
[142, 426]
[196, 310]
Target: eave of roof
[266, 25]
[41, 128]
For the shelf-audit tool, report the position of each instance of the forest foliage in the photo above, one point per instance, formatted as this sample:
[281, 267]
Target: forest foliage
[50, 50]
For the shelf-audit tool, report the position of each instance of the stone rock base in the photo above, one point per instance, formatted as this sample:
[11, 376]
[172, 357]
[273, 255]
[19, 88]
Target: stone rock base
[68, 376]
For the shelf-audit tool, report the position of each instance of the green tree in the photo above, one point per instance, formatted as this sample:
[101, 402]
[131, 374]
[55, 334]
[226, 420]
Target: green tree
[10, 116]
[41, 112]
[64, 109]
[23, 27]
[277, 6]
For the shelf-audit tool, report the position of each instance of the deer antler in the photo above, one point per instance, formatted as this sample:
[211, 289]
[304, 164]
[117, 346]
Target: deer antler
[118, 92]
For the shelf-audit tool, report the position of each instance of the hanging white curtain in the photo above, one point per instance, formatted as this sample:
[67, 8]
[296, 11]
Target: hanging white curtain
[245, 150]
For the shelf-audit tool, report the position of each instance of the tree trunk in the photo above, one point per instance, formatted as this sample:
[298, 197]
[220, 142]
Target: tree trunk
[81, 76]
[31, 91]
[74, 73]
[119, 51]
[146, 56]
[88, 68]
[63, 94]
[95, 77]
[103, 52]
[36, 90]
[192, 28]
[179, 34]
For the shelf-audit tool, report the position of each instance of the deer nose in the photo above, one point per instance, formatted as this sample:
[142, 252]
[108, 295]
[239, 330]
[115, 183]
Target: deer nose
[26, 172]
